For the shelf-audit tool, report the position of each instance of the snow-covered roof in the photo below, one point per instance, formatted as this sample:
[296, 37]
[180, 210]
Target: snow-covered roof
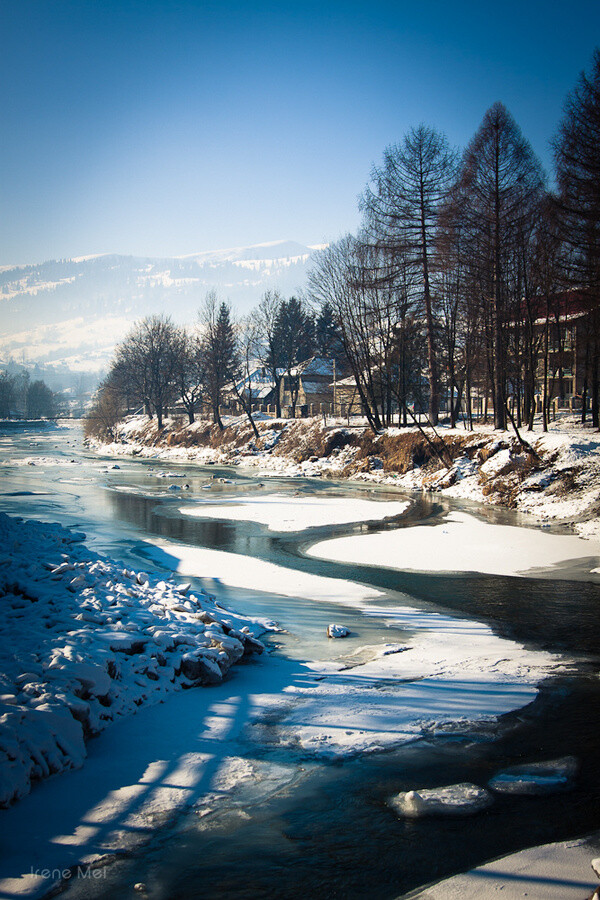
[258, 380]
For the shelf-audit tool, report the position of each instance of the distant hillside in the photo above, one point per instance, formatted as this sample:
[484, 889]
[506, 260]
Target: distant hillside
[71, 312]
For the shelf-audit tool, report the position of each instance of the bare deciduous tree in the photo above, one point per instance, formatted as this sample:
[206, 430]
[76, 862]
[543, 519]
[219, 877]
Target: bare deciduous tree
[246, 347]
[265, 317]
[402, 206]
[577, 156]
[147, 358]
[189, 372]
[502, 183]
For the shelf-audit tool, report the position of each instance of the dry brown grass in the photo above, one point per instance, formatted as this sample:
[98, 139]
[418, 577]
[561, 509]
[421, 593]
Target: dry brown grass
[566, 482]
[503, 487]
[398, 452]
[409, 450]
[503, 490]
[303, 439]
[490, 449]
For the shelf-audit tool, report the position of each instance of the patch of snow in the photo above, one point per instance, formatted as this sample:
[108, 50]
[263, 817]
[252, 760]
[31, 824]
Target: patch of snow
[559, 871]
[451, 674]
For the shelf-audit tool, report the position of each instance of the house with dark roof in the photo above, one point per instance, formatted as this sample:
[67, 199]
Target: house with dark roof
[306, 389]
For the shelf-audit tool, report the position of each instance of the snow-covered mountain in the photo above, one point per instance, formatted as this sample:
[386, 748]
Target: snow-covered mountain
[71, 312]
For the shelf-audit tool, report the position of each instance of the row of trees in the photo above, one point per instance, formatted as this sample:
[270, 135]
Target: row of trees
[460, 258]
[159, 363]
[19, 396]
[455, 284]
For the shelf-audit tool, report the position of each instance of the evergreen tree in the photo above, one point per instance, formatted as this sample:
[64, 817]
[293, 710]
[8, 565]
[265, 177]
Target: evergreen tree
[217, 348]
[7, 395]
[40, 401]
[328, 340]
[295, 342]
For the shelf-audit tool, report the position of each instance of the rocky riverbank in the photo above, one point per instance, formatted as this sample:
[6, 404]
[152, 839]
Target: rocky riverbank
[554, 476]
[85, 641]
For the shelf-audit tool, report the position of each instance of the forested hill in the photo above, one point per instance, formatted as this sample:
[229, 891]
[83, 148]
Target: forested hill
[74, 310]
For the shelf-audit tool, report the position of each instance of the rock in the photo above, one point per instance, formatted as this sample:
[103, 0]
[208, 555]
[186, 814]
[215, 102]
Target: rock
[252, 645]
[337, 631]
[596, 866]
[200, 669]
[536, 778]
[77, 583]
[453, 800]
[140, 887]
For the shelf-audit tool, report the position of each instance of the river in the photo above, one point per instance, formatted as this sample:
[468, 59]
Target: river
[308, 823]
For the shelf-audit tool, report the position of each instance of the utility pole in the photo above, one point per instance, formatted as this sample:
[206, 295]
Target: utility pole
[334, 389]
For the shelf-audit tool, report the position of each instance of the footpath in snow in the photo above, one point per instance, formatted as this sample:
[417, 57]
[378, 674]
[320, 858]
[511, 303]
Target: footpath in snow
[85, 641]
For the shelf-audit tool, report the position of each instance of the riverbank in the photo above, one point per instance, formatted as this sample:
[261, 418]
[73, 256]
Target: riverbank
[556, 481]
[85, 641]
[559, 871]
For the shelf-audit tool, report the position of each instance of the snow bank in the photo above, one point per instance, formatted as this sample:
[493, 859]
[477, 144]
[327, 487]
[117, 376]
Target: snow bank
[560, 871]
[84, 640]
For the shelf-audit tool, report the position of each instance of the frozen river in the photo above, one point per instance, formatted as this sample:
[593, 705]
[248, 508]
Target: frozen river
[436, 684]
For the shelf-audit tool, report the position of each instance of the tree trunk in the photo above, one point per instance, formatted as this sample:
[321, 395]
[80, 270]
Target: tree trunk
[497, 321]
[595, 386]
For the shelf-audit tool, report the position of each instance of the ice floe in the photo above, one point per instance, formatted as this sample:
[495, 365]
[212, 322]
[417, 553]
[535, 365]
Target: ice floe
[296, 512]
[536, 778]
[463, 543]
[453, 800]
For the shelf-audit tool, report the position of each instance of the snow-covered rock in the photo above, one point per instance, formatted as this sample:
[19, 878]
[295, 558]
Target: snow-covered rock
[536, 778]
[453, 800]
[337, 631]
[84, 640]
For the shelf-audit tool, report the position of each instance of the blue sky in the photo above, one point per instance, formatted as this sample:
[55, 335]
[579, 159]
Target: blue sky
[165, 128]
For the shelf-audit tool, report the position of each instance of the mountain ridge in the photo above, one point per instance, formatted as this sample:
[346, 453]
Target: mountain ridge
[72, 312]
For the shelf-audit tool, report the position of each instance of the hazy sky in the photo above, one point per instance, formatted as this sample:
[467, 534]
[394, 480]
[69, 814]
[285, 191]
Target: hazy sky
[165, 127]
